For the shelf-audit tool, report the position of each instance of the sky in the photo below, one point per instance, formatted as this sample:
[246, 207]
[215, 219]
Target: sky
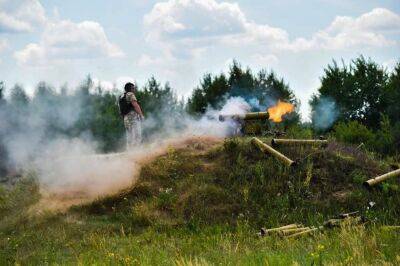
[178, 41]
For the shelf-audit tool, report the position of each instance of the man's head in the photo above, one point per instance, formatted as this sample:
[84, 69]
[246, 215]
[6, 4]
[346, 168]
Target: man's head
[130, 87]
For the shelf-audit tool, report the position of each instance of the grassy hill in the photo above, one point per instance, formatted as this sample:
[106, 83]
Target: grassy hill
[204, 203]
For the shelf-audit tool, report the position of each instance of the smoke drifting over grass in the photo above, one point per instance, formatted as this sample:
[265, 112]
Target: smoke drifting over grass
[70, 170]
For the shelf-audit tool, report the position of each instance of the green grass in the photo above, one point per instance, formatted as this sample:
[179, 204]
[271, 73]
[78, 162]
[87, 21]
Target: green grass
[204, 205]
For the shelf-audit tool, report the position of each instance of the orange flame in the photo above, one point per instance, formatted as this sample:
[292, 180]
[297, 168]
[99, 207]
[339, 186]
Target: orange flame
[280, 109]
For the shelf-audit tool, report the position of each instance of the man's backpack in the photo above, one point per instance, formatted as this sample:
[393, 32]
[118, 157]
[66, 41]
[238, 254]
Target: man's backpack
[124, 106]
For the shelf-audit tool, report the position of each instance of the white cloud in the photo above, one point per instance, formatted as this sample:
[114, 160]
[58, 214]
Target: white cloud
[191, 24]
[390, 64]
[121, 81]
[377, 20]
[193, 36]
[3, 46]
[31, 54]
[181, 19]
[104, 84]
[202, 23]
[268, 59]
[185, 31]
[368, 30]
[146, 60]
[65, 40]
[21, 15]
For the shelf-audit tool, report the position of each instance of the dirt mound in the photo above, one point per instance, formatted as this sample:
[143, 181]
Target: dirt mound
[206, 181]
[77, 180]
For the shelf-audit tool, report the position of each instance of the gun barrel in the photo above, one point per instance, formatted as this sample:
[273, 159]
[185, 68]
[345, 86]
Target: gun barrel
[256, 116]
[268, 149]
[298, 142]
[380, 179]
[247, 116]
[222, 118]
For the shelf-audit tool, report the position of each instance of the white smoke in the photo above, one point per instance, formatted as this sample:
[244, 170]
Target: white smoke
[255, 103]
[70, 170]
[210, 125]
[235, 105]
[325, 113]
[263, 105]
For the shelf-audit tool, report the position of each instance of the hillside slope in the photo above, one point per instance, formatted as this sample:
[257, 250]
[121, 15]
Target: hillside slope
[204, 202]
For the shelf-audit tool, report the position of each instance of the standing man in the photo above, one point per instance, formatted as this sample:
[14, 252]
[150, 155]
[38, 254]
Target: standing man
[132, 114]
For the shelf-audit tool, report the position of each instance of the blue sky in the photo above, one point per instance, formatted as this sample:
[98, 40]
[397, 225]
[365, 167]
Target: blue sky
[180, 40]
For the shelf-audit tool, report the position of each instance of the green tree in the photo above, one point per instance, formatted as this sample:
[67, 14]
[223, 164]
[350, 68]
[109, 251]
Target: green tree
[197, 103]
[241, 82]
[18, 109]
[357, 90]
[392, 106]
[161, 107]
[106, 125]
[3, 117]
[85, 101]
[261, 91]
[391, 97]
[2, 89]
[354, 132]
[211, 93]
[45, 106]
[19, 98]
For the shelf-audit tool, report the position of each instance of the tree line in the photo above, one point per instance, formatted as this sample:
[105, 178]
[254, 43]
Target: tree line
[366, 99]
[358, 102]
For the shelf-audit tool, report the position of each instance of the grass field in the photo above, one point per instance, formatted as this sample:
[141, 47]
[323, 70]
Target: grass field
[204, 204]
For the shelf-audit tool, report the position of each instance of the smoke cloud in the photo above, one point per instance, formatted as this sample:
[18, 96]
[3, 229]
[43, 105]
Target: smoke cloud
[70, 170]
[325, 113]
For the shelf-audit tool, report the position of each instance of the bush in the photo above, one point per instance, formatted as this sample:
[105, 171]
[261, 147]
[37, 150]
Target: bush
[396, 137]
[385, 141]
[384, 138]
[353, 132]
[300, 132]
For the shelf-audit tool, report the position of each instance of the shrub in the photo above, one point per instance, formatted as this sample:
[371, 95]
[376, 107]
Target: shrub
[353, 132]
[396, 138]
[384, 138]
[299, 131]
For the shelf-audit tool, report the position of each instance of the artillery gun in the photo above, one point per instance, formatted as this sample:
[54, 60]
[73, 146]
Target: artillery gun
[253, 123]
[245, 117]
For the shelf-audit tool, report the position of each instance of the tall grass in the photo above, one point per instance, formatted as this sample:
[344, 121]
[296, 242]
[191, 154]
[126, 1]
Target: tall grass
[198, 206]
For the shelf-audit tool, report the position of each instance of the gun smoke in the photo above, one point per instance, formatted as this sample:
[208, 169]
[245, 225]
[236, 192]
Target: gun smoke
[70, 170]
[325, 114]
